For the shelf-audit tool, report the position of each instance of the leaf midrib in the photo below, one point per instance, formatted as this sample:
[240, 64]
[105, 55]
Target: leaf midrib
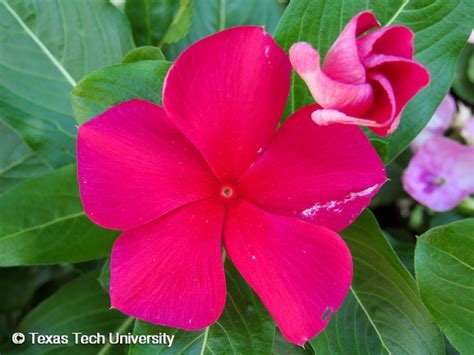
[124, 326]
[397, 13]
[41, 226]
[370, 321]
[40, 44]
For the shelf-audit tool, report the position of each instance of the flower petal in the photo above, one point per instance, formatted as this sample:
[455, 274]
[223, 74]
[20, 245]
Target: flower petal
[380, 118]
[444, 116]
[301, 271]
[170, 272]
[134, 166]
[325, 174]
[227, 93]
[392, 40]
[384, 110]
[406, 77]
[440, 174]
[352, 99]
[342, 62]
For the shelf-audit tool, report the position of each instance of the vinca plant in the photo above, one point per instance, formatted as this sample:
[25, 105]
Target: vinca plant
[236, 177]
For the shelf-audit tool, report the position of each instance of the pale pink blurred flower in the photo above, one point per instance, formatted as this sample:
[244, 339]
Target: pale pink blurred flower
[468, 132]
[439, 123]
[441, 174]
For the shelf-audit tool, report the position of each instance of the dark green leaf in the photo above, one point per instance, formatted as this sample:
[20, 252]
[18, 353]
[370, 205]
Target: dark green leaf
[245, 327]
[349, 332]
[383, 308]
[444, 265]
[463, 84]
[143, 53]
[210, 16]
[444, 218]
[381, 147]
[80, 306]
[112, 85]
[17, 161]
[18, 285]
[179, 28]
[104, 277]
[281, 346]
[45, 47]
[470, 69]
[152, 20]
[403, 242]
[450, 22]
[42, 222]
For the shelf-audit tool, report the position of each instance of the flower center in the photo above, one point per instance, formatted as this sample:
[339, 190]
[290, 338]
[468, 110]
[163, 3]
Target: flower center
[439, 181]
[228, 192]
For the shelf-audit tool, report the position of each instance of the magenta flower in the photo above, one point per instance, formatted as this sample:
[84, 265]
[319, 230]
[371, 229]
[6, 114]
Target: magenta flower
[441, 174]
[438, 124]
[208, 168]
[366, 79]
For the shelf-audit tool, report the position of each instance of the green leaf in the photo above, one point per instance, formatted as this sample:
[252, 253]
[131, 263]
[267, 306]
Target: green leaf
[80, 306]
[470, 69]
[17, 160]
[210, 16]
[441, 29]
[143, 53]
[244, 327]
[112, 85]
[403, 242]
[444, 265]
[104, 277]
[440, 219]
[349, 331]
[281, 346]
[20, 283]
[179, 28]
[153, 19]
[463, 84]
[42, 221]
[381, 147]
[45, 47]
[384, 312]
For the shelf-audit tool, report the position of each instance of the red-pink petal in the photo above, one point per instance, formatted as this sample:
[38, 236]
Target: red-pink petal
[301, 271]
[227, 93]
[170, 272]
[391, 40]
[342, 62]
[323, 174]
[384, 111]
[134, 166]
[352, 99]
[406, 77]
[379, 118]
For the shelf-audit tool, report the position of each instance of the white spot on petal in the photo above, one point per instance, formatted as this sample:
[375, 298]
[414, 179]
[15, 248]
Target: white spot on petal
[267, 53]
[335, 205]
